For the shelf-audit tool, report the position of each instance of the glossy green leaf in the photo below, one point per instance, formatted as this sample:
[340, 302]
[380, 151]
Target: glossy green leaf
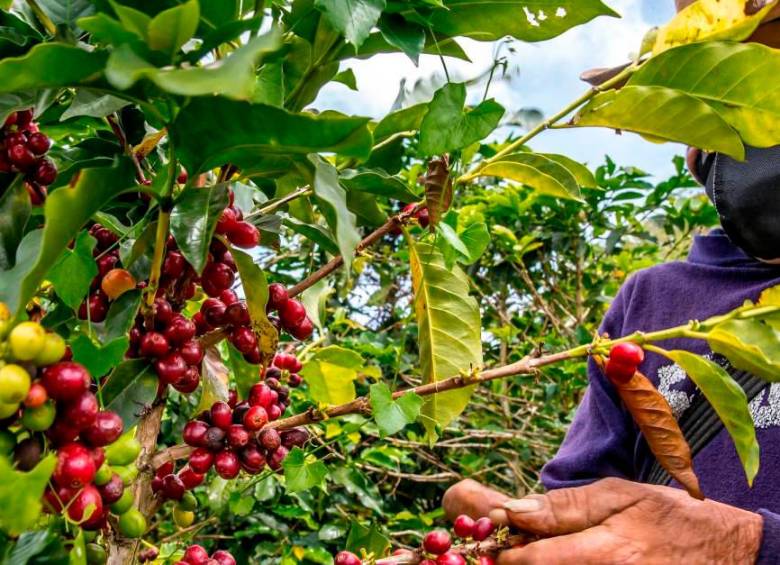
[315, 233]
[330, 374]
[538, 172]
[233, 77]
[379, 183]
[193, 220]
[448, 234]
[66, 12]
[22, 494]
[332, 200]
[369, 538]
[390, 415]
[51, 65]
[78, 551]
[250, 132]
[476, 238]
[730, 77]
[365, 208]
[446, 127]
[449, 332]
[133, 20]
[99, 359]
[302, 472]
[15, 210]
[105, 30]
[245, 374]
[120, 317]
[229, 31]
[255, 287]
[406, 36]
[729, 402]
[90, 103]
[347, 78]
[664, 114]
[709, 20]
[66, 211]
[580, 172]
[750, 345]
[72, 275]
[400, 121]
[537, 20]
[352, 18]
[130, 390]
[172, 28]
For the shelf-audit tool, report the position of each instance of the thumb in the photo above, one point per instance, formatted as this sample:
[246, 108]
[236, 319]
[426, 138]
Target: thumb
[570, 510]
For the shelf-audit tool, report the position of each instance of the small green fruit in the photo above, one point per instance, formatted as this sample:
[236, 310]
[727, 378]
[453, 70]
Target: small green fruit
[183, 518]
[96, 555]
[14, 384]
[123, 451]
[132, 524]
[27, 340]
[188, 502]
[53, 350]
[128, 473]
[124, 503]
[103, 475]
[39, 419]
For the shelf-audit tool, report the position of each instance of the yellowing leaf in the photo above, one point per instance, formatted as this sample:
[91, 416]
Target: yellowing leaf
[750, 345]
[331, 373]
[770, 297]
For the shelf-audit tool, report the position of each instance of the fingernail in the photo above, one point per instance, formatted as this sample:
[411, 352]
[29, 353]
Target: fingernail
[524, 505]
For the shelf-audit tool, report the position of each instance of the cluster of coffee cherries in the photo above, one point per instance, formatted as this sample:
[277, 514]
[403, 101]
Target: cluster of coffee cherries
[291, 313]
[110, 282]
[23, 150]
[226, 311]
[238, 231]
[232, 438]
[172, 485]
[197, 555]
[437, 547]
[624, 360]
[59, 407]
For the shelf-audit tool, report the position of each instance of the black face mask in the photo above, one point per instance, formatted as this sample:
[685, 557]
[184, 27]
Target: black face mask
[746, 195]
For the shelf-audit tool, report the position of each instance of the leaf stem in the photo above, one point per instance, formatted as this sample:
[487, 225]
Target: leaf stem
[42, 17]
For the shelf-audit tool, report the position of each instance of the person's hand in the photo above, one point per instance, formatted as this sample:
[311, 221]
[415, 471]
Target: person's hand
[471, 498]
[614, 521]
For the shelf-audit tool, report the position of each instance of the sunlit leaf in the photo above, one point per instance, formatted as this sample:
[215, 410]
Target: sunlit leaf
[74, 271]
[330, 374]
[392, 416]
[302, 472]
[21, 494]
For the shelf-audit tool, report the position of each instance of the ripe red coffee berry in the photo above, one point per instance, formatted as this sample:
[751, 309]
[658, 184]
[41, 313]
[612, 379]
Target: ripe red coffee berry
[165, 469]
[112, 490]
[194, 433]
[277, 295]
[227, 220]
[262, 395]
[82, 412]
[223, 557]
[423, 216]
[221, 415]
[106, 429]
[226, 464]
[346, 558]
[228, 297]
[173, 487]
[173, 265]
[243, 339]
[215, 438]
[154, 344]
[618, 372]
[106, 263]
[65, 380]
[252, 460]
[189, 382]
[482, 529]
[38, 143]
[237, 436]
[170, 368]
[94, 308]
[192, 352]
[196, 555]
[21, 156]
[270, 439]
[485, 560]
[213, 310]
[274, 412]
[255, 418]
[463, 526]
[75, 466]
[201, 460]
[190, 478]
[244, 234]
[276, 458]
[163, 311]
[36, 396]
[451, 558]
[44, 172]
[180, 330]
[303, 330]
[216, 278]
[237, 314]
[292, 313]
[87, 507]
[288, 362]
[627, 353]
[437, 542]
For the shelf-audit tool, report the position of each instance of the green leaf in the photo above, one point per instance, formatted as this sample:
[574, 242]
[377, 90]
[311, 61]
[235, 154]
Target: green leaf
[449, 235]
[538, 172]
[15, 210]
[245, 374]
[255, 287]
[172, 28]
[347, 78]
[708, 20]
[392, 416]
[233, 77]
[406, 120]
[21, 494]
[90, 103]
[332, 200]
[406, 36]
[130, 390]
[133, 20]
[449, 332]
[730, 77]
[750, 345]
[315, 233]
[663, 114]
[379, 183]
[330, 374]
[120, 317]
[476, 238]
[193, 220]
[490, 20]
[66, 12]
[729, 402]
[315, 299]
[78, 551]
[66, 211]
[51, 65]
[72, 275]
[352, 18]
[104, 29]
[250, 132]
[369, 538]
[99, 359]
[580, 172]
[302, 472]
[446, 127]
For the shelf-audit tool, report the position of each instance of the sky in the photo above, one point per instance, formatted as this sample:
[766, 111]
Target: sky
[542, 75]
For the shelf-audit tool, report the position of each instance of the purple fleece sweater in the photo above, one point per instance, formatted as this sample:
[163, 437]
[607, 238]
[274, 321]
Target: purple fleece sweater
[603, 441]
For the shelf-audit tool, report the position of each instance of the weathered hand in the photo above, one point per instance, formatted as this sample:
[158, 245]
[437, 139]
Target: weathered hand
[471, 498]
[614, 521]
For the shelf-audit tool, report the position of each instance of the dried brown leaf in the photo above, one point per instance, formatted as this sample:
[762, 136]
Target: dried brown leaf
[438, 189]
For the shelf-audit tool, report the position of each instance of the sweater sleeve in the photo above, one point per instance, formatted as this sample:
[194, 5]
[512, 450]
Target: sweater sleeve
[769, 554]
[600, 442]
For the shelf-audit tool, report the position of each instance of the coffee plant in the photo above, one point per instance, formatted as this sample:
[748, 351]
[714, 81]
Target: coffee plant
[203, 269]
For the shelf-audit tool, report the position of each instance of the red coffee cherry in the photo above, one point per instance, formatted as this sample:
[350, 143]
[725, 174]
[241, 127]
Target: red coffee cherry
[38, 143]
[106, 429]
[627, 353]
[262, 395]
[255, 418]
[269, 439]
[483, 528]
[227, 220]
[619, 372]
[244, 234]
[195, 555]
[174, 264]
[292, 313]
[190, 478]
[194, 433]
[154, 344]
[277, 295]
[243, 339]
[223, 557]
[106, 263]
[226, 464]
[450, 558]
[216, 278]
[252, 460]
[94, 308]
[215, 439]
[21, 156]
[201, 460]
[79, 511]
[170, 368]
[347, 558]
[463, 526]
[303, 330]
[437, 542]
[163, 311]
[82, 412]
[173, 487]
[189, 382]
[112, 490]
[192, 352]
[221, 415]
[237, 314]
[75, 466]
[213, 310]
[180, 330]
[44, 172]
[65, 381]
[237, 436]
[275, 458]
